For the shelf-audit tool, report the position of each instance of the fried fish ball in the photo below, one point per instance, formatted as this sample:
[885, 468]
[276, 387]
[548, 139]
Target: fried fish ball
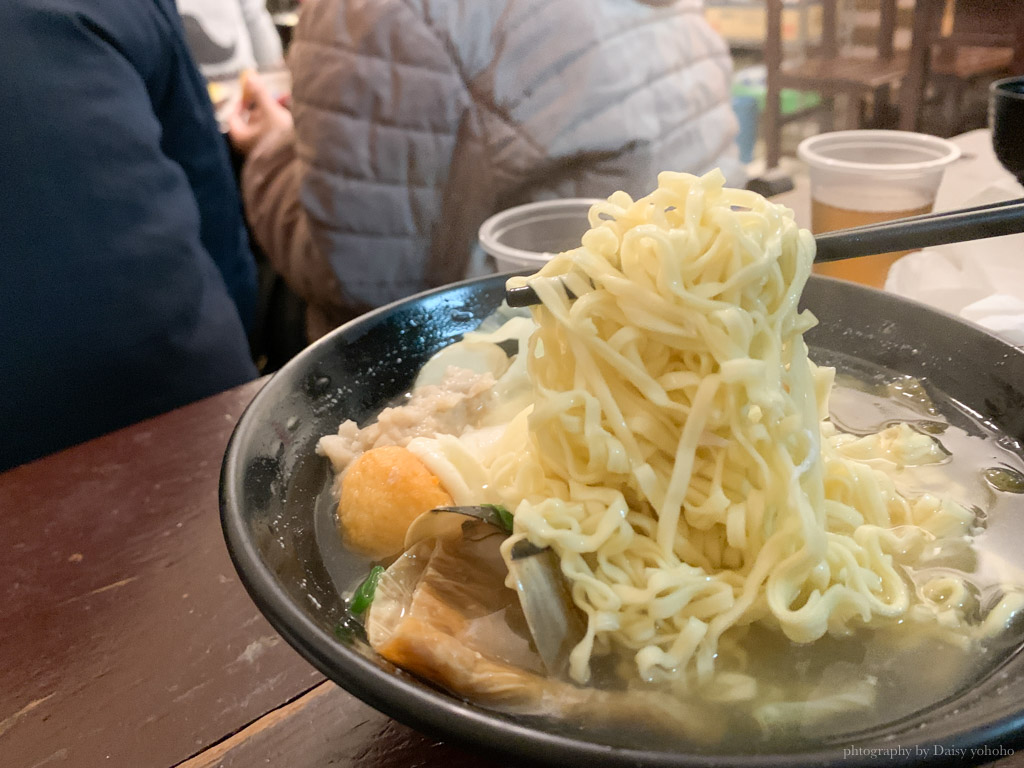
[382, 492]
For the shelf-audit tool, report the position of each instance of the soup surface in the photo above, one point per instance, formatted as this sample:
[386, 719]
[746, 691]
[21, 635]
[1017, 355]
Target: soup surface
[836, 687]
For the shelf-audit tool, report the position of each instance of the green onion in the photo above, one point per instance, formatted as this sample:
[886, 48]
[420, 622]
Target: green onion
[364, 593]
[503, 514]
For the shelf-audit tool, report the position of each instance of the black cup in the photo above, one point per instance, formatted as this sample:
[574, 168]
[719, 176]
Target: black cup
[1006, 119]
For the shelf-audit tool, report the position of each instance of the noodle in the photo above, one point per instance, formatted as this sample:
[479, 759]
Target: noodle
[664, 431]
[675, 457]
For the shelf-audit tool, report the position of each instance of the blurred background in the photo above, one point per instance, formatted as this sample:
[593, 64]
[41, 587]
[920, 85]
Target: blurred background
[800, 68]
[922, 65]
[913, 64]
[969, 44]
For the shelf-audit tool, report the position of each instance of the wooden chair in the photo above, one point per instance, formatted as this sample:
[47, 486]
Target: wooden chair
[957, 42]
[830, 73]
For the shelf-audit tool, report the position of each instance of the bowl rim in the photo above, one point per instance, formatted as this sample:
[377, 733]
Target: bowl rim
[998, 87]
[431, 710]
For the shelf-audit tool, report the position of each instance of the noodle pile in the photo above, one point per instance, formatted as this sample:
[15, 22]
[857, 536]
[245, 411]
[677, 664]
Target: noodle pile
[677, 459]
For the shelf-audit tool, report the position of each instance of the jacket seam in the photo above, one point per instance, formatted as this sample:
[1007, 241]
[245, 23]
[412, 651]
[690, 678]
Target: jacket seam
[647, 84]
[334, 45]
[359, 119]
[474, 97]
[689, 121]
[564, 63]
[334, 173]
[332, 227]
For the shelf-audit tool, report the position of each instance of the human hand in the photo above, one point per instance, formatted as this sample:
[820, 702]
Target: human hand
[257, 116]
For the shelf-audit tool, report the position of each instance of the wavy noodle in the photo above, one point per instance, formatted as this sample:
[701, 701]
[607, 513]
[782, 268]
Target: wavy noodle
[676, 459]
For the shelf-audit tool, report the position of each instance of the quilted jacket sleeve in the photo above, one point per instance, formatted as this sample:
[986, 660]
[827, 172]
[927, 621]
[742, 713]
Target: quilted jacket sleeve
[417, 119]
[270, 188]
[347, 212]
[586, 97]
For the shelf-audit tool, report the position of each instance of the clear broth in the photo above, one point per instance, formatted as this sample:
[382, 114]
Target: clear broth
[913, 672]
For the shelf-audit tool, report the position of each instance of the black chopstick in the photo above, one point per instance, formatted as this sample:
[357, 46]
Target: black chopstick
[924, 231]
[525, 296]
[938, 214]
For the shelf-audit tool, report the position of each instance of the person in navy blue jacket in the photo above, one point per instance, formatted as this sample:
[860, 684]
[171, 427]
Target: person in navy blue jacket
[126, 279]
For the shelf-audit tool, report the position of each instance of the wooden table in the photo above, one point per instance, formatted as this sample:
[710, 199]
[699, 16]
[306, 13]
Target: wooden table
[126, 638]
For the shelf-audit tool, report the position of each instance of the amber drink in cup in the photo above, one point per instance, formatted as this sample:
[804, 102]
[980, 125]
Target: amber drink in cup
[869, 176]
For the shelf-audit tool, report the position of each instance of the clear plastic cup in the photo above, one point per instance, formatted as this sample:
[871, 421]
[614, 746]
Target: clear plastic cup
[864, 177]
[527, 236]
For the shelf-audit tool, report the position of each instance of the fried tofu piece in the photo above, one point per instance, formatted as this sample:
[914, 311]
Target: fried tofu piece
[382, 492]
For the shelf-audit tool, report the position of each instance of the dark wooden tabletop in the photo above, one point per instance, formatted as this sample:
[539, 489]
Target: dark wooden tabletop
[126, 638]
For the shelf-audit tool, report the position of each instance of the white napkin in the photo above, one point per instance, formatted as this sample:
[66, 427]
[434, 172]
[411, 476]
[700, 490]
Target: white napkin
[981, 281]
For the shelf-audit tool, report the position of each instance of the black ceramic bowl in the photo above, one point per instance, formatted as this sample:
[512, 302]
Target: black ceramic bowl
[1006, 120]
[271, 477]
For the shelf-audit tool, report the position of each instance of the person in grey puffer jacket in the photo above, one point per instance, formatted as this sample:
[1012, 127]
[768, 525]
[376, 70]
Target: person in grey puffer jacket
[414, 120]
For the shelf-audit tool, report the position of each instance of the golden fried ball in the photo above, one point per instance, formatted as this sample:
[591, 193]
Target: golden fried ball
[382, 492]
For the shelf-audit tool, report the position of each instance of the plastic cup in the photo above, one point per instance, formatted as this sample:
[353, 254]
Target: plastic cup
[864, 177]
[527, 236]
